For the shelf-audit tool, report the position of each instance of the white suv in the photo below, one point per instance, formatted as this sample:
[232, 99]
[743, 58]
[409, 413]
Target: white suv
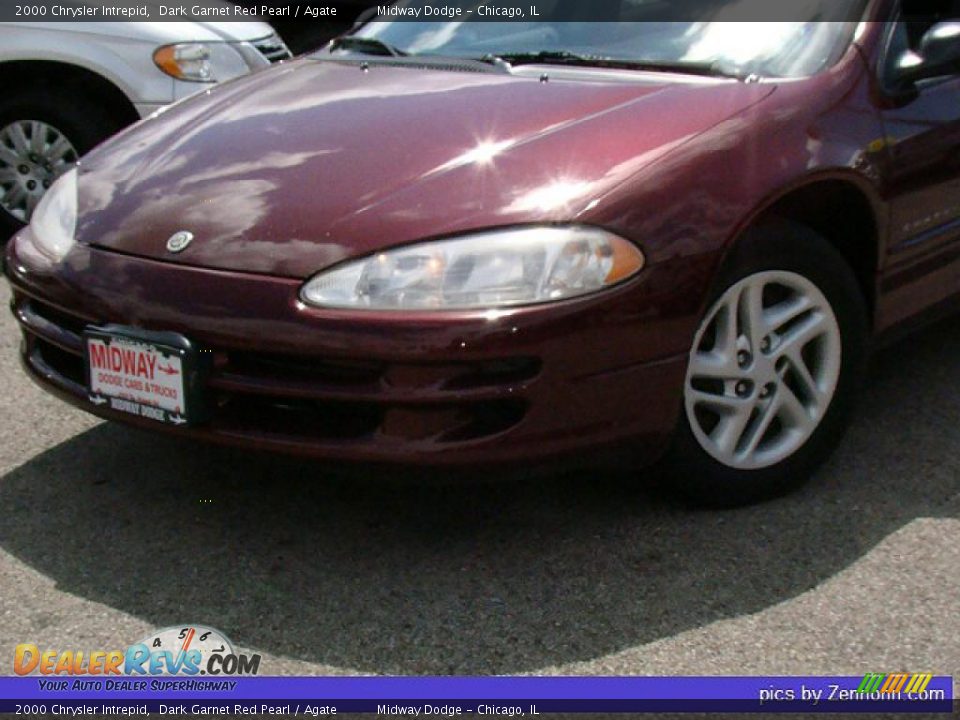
[69, 85]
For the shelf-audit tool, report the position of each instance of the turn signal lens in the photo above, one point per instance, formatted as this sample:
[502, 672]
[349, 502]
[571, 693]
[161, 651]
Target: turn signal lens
[187, 61]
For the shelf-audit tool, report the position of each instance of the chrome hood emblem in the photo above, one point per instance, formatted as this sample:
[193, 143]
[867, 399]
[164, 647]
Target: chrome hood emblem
[179, 241]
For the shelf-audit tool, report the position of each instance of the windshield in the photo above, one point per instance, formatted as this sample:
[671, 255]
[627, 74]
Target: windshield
[713, 35]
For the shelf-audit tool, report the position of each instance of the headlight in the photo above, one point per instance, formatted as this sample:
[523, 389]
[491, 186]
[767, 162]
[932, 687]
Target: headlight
[200, 62]
[55, 219]
[482, 271]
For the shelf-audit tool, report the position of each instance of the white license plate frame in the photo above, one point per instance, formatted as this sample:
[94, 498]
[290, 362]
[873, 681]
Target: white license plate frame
[148, 375]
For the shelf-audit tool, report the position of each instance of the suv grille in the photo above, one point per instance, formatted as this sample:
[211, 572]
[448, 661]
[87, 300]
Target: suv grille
[272, 48]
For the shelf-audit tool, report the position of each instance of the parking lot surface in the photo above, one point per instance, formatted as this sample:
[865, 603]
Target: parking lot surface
[107, 533]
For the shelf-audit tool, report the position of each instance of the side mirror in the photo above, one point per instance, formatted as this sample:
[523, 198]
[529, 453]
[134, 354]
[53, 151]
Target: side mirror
[940, 46]
[938, 54]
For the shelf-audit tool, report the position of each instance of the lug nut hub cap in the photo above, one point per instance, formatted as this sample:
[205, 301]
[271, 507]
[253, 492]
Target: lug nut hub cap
[32, 155]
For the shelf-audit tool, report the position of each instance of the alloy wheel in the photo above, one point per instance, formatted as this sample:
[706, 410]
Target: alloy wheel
[763, 370]
[33, 154]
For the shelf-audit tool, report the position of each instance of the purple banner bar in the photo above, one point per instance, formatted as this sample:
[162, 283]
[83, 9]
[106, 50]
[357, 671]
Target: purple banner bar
[463, 696]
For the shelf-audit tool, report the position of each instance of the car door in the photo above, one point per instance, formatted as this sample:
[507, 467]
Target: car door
[922, 178]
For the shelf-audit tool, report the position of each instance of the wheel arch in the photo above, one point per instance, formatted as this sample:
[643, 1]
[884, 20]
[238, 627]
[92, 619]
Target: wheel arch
[844, 210]
[30, 74]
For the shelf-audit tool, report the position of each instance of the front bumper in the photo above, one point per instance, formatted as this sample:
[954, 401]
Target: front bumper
[467, 390]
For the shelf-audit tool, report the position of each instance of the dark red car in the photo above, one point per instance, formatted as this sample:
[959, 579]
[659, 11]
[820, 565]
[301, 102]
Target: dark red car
[467, 244]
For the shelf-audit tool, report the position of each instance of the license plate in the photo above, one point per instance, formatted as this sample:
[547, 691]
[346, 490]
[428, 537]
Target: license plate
[151, 375]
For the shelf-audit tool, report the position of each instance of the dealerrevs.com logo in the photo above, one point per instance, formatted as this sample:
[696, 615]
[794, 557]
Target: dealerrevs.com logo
[182, 650]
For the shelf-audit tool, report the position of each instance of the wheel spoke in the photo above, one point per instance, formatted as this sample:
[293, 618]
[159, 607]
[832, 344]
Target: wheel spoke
[711, 366]
[761, 425]
[726, 332]
[15, 197]
[720, 361]
[730, 429]
[787, 311]
[803, 374]
[799, 336]
[751, 314]
[8, 156]
[59, 149]
[19, 139]
[722, 404]
[32, 202]
[792, 411]
[38, 137]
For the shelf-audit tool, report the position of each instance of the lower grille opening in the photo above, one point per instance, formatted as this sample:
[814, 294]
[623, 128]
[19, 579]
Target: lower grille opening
[292, 367]
[298, 418]
[496, 372]
[452, 423]
[58, 317]
[60, 361]
[489, 418]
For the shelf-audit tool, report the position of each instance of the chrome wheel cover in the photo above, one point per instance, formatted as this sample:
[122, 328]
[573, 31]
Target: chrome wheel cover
[763, 370]
[32, 155]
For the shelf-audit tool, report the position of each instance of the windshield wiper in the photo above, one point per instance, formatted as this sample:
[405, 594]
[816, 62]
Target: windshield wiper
[366, 45]
[565, 57]
[555, 57]
[688, 67]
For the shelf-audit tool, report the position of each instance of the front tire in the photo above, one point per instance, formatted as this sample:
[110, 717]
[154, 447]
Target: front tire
[773, 369]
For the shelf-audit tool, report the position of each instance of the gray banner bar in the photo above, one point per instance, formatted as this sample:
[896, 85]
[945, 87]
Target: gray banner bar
[421, 10]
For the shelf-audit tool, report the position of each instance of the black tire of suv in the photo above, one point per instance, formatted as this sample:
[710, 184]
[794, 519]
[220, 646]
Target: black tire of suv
[786, 246]
[80, 118]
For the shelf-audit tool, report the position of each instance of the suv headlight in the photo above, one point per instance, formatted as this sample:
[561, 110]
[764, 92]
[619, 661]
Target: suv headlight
[480, 271]
[54, 221]
[200, 62]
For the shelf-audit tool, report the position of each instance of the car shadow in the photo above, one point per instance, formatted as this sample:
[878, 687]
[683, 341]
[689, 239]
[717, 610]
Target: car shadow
[301, 560]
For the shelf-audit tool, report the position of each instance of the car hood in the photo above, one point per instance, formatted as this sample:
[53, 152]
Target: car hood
[302, 166]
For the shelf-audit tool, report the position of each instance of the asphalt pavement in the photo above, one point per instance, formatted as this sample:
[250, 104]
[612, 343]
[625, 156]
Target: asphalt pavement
[107, 533]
